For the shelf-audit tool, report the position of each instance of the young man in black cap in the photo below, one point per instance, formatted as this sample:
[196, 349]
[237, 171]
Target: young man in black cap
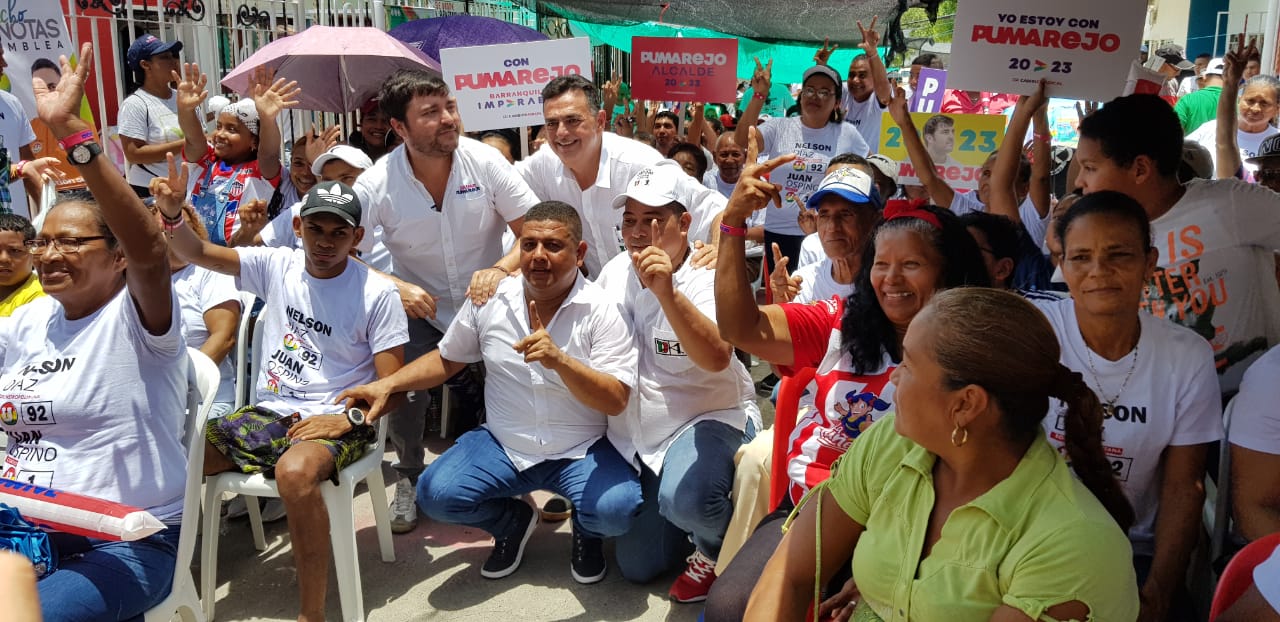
[330, 324]
[1268, 163]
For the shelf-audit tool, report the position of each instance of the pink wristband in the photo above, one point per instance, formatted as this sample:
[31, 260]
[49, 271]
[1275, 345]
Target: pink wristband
[22, 164]
[732, 230]
[75, 139]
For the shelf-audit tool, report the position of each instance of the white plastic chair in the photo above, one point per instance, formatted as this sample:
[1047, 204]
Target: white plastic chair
[202, 385]
[244, 379]
[338, 501]
[1217, 497]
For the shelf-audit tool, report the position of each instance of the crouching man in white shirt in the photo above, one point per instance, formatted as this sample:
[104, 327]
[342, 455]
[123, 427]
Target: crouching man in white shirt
[695, 403]
[561, 361]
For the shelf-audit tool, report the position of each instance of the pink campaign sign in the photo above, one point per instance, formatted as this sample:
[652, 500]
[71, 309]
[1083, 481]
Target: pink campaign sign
[684, 69]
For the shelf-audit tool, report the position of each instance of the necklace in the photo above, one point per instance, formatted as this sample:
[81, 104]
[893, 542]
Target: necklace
[1109, 404]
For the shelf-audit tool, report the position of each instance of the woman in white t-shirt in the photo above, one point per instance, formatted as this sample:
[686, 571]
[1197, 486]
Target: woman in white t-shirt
[210, 307]
[1156, 381]
[816, 136]
[95, 378]
[1241, 124]
[149, 116]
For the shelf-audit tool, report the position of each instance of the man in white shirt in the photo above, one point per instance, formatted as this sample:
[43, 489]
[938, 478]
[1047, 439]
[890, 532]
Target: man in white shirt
[443, 202]
[694, 399]
[1215, 272]
[587, 167]
[561, 362]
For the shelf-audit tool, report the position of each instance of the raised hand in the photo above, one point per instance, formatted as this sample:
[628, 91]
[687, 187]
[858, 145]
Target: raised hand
[59, 107]
[808, 221]
[1236, 59]
[192, 87]
[272, 100]
[41, 170]
[653, 264]
[317, 144]
[784, 286]
[1035, 101]
[1084, 109]
[170, 191]
[762, 79]
[625, 124]
[898, 110]
[609, 93]
[253, 217]
[824, 53]
[754, 190]
[870, 38]
[538, 346]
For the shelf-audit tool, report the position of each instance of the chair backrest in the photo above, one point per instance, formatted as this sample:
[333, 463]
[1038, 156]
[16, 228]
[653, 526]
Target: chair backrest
[203, 379]
[244, 379]
[1238, 575]
[790, 389]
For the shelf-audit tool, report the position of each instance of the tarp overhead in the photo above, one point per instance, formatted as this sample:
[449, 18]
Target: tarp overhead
[799, 21]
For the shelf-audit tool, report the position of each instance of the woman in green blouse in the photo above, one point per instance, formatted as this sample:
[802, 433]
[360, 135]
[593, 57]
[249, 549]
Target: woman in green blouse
[956, 508]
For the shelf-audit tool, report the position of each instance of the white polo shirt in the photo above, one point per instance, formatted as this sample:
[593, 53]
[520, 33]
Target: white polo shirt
[529, 409]
[620, 159]
[673, 394]
[439, 247]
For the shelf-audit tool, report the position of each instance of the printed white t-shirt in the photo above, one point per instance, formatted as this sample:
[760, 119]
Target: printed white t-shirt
[1247, 142]
[318, 335]
[865, 117]
[799, 179]
[96, 406]
[1171, 399]
[1255, 418]
[153, 121]
[1216, 271]
[672, 393]
[818, 284]
[199, 290]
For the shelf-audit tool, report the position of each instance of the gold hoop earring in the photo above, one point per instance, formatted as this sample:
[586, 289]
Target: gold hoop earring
[963, 439]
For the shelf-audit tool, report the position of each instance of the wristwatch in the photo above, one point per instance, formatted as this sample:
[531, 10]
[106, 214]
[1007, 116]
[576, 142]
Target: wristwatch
[355, 417]
[84, 153]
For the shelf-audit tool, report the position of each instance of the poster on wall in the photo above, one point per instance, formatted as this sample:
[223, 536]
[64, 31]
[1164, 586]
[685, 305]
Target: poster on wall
[500, 86]
[33, 35]
[1082, 49]
[959, 144]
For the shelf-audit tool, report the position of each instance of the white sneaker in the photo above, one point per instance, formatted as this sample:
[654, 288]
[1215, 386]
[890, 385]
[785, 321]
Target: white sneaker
[404, 507]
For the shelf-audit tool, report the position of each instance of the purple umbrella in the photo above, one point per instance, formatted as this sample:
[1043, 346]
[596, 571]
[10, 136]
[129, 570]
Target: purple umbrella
[338, 69]
[455, 31]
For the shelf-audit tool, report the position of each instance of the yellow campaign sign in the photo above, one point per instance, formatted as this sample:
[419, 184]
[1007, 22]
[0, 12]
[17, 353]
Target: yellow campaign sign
[959, 144]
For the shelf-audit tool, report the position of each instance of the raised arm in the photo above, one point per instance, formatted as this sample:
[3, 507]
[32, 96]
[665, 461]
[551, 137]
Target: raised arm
[761, 82]
[759, 330]
[1227, 149]
[271, 98]
[697, 333]
[170, 193]
[1041, 153]
[191, 92]
[128, 219]
[938, 189]
[879, 76]
[1001, 197]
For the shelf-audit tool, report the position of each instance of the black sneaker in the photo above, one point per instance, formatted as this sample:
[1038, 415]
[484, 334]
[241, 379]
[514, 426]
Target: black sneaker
[588, 563]
[507, 552]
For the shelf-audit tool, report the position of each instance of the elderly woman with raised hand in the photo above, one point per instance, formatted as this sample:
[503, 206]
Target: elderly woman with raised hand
[1156, 381]
[101, 361]
[853, 343]
[1235, 137]
[956, 507]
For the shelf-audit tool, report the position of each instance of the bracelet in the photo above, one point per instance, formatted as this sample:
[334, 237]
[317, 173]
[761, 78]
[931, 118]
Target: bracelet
[19, 166]
[1048, 138]
[172, 225]
[759, 96]
[75, 139]
[728, 229]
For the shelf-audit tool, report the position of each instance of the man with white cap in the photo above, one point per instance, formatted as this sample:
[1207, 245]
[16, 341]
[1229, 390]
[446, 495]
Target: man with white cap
[1197, 108]
[342, 163]
[847, 209]
[693, 404]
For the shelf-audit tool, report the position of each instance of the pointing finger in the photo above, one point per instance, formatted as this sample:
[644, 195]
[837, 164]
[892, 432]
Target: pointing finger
[535, 322]
[654, 232]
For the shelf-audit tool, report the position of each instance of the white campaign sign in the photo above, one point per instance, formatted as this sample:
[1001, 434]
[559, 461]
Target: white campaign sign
[1082, 49]
[500, 86]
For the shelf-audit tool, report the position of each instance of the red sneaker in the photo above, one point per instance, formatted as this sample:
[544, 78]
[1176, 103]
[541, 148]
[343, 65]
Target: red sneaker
[692, 585]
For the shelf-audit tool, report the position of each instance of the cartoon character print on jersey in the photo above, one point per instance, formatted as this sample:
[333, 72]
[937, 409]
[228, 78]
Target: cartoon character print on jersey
[858, 416]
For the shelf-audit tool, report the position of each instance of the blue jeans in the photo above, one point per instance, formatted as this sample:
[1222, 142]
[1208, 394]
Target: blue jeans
[689, 500]
[474, 481]
[101, 580]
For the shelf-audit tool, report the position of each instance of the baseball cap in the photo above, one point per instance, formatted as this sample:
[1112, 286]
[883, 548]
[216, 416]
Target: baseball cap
[847, 183]
[1270, 148]
[825, 70]
[886, 165]
[332, 197]
[1216, 66]
[146, 46]
[346, 153]
[1174, 55]
[655, 185]
[1196, 162]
